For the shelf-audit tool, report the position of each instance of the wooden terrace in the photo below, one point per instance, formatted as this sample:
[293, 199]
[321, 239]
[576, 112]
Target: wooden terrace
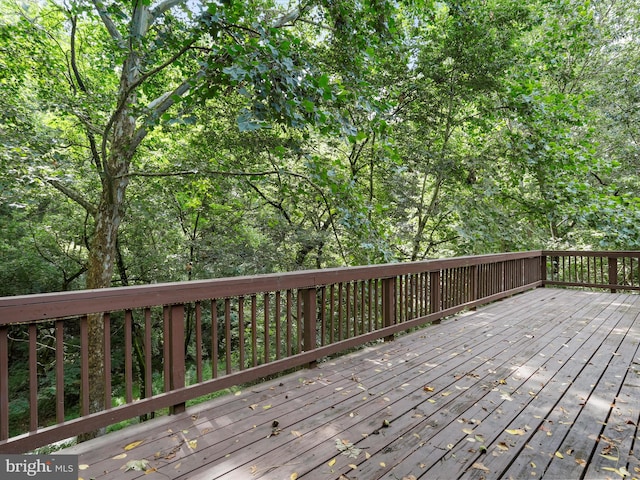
[545, 384]
[507, 380]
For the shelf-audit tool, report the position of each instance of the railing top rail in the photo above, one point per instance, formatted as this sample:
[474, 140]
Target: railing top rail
[25, 308]
[595, 253]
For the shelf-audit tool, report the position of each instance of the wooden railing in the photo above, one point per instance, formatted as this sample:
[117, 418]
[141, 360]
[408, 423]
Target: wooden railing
[598, 270]
[167, 344]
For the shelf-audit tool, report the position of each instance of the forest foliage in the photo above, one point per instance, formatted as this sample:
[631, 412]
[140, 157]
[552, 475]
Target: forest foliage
[151, 141]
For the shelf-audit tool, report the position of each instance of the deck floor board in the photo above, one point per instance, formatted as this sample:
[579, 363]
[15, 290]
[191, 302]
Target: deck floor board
[545, 384]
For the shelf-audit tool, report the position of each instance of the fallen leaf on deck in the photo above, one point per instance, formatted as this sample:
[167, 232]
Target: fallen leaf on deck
[193, 444]
[533, 465]
[516, 431]
[468, 431]
[253, 469]
[347, 448]
[502, 446]
[480, 466]
[293, 476]
[559, 455]
[410, 477]
[150, 470]
[295, 433]
[445, 394]
[332, 462]
[120, 457]
[253, 406]
[428, 389]
[353, 466]
[84, 466]
[619, 471]
[382, 464]
[133, 445]
[137, 465]
[266, 407]
[610, 457]
[582, 462]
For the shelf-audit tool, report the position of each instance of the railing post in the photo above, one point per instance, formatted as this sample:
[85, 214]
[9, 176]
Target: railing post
[613, 272]
[435, 297]
[176, 353]
[543, 269]
[310, 321]
[388, 304]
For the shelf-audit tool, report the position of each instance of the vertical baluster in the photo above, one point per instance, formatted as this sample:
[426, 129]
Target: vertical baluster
[148, 355]
[323, 316]
[106, 321]
[241, 331]
[355, 309]
[299, 339]
[267, 352]
[59, 371]
[227, 335]
[128, 360]
[340, 300]
[278, 326]
[33, 377]
[331, 314]
[254, 330]
[289, 321]
[389, 303]
[165, 349]
[198, 342]
[348, 314]
[214, 339]
[370, 305]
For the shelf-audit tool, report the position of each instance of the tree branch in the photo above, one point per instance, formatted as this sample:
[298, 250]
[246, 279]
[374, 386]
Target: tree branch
[111, 27]
[162, 8]
[73, 195]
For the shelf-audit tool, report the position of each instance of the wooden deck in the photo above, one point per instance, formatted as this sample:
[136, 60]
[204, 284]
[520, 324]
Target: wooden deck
[545, 384]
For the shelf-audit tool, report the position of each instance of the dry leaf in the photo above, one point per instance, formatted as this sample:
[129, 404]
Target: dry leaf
[382, 464]
[428, 389]
[559, 455]
[84, 466]
[353, 466]
[295, 433]
[120, 457]
[293, 476]
[150, 470]
[332, 462]
[137, 465]
[410, 477]
[253, 469]
[445, 394]
[267, 407]
[480, 466]
[193, 444]
[468, 431]
[502, 446]
[516, 431]
[133, 445]
[581, 462]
